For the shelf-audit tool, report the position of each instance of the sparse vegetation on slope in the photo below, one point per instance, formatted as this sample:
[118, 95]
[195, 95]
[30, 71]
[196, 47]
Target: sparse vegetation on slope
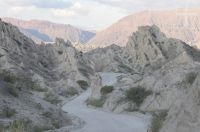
[95, 102]
[157, 120]
[1, 128]
[22, 126]
[8, 112]
[17, 126]
[190, 77]
[137, 94]
[55, 123]
[13, 83]
[50, 97]
[106, 90]
[83, 84]
[72, 91]
[8, 77]
[84, 72]
[10, 82]
[32, 85]
[12, 89]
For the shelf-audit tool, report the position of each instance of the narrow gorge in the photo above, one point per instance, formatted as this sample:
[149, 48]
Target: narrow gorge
[151, 84]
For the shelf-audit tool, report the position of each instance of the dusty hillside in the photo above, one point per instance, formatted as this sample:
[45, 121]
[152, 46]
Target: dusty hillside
[169, 21]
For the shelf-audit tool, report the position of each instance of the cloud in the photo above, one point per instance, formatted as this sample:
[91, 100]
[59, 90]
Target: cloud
[55, 4]
[85, 13]
[63, 13]
[134, 5]
[16, 10]
[76, 9]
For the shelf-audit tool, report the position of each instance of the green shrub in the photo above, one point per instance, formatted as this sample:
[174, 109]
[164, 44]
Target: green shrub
[52, 98]
[36, 87]
[16, 126]
[14, 83]
[60, 52]
[190, 77]
[10, 82]
[72, 91]
[8, 77]
[20, 80]
[28, 83]
[95, 102]
[106, 89]
[83, 84]
[21, 126]
[37, 128]
[157, 121]
[56, 124]
[1, 127]
[12, 89]
[47, 114]
[130, 60]
[84, 72]
[8, 112]
[137, 95]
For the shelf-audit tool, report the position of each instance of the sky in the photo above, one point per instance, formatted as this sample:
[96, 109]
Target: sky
[87, 14]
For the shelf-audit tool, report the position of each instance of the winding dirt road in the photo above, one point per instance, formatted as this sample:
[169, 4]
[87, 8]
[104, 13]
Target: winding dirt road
[100, 121]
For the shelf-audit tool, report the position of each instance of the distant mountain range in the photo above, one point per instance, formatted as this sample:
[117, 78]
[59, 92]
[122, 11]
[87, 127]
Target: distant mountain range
[44, 31]
[174, 23]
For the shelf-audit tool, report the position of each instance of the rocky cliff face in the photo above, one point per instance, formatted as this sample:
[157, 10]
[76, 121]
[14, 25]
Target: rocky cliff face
[34, 77]
[109, 59]
[150, 48]
[183, 116]
[165, 78]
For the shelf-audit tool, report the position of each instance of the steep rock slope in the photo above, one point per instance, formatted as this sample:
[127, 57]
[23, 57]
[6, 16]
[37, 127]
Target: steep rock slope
[183, 116]
[33, 76]
[149, 47]
[165, 82]
[108, 59]
[44, 31]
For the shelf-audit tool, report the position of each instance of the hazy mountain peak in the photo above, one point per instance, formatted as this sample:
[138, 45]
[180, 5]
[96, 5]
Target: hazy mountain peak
[46, 31]
[169, 21]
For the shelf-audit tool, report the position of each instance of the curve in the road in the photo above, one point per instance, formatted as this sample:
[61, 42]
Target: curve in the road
[100, 121]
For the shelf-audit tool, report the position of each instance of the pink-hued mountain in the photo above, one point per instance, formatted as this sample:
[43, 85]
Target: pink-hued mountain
[171, 22]
[47, 31]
